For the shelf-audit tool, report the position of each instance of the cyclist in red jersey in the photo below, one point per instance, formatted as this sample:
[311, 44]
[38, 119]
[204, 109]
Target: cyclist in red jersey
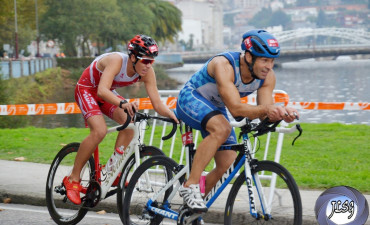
[95, 95]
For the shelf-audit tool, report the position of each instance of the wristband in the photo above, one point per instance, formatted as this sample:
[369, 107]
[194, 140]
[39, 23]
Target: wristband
[122, 102]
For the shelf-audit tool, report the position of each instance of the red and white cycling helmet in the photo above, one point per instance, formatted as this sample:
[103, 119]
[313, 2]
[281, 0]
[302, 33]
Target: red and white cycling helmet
[142, 45]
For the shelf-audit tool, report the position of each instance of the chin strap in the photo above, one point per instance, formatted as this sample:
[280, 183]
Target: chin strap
[250, 66]
[134, 63]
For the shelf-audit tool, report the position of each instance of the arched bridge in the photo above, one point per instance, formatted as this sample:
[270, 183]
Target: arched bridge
[347, 42]
[355, 36]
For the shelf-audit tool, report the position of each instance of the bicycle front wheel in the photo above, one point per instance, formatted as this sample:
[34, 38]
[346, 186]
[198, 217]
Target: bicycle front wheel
[279, 189]
[56, 196]
[148, 179]
[129, 168]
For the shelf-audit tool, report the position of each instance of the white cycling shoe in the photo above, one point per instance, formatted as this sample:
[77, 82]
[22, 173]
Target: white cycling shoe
[193, 198]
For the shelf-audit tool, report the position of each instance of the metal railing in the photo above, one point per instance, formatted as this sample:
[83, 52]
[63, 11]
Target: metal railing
[19, 68]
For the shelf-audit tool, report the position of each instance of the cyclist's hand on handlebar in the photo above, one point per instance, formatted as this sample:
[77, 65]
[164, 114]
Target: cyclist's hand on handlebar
[292, 114]
[173, 116]
[276, 113]
[130, 108]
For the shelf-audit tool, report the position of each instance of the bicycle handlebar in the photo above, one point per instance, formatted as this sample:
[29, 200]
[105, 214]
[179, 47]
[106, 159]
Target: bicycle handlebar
[264, 127]
[145, 116]
[125, 125]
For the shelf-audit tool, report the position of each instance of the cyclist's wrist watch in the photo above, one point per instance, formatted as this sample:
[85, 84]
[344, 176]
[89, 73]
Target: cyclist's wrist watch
[122, 102]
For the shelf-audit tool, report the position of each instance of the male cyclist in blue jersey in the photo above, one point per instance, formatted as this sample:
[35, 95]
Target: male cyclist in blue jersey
[221, 83]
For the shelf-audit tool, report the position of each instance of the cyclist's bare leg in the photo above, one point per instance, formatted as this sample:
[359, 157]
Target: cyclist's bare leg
[219, 130]
[223, 161]
[98, 130]
[124, 137]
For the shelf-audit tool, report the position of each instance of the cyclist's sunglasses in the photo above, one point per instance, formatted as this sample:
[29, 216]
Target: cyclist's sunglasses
[145, 61]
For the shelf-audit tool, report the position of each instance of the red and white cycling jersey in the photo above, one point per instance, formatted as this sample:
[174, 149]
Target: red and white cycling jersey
[87, 88]
[91, 76]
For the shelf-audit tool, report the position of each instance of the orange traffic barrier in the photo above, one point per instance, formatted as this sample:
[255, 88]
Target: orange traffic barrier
[144, 103]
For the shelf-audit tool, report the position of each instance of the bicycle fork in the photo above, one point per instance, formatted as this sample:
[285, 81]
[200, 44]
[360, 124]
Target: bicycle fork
[251, 179]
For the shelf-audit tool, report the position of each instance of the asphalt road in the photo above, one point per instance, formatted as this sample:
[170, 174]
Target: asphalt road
[15, 214]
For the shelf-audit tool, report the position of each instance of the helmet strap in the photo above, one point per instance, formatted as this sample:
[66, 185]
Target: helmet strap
[134, 63]
[250, 66]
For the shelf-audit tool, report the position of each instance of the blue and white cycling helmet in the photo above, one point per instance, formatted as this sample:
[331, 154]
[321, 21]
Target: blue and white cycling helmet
[260, 43]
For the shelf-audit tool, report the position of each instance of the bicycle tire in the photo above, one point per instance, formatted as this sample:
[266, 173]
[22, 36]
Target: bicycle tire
[136, 196]
[58, 202]
[288, 210]
[128, 170]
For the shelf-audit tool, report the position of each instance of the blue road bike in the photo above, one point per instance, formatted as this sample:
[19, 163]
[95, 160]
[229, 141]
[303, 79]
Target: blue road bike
[263, 193]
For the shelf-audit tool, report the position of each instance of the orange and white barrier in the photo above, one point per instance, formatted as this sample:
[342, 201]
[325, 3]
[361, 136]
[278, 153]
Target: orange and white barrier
[330, 105]
[144, 103]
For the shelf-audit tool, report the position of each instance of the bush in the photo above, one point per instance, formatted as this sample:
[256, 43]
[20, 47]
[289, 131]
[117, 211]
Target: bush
[49, 86]
[74, 62]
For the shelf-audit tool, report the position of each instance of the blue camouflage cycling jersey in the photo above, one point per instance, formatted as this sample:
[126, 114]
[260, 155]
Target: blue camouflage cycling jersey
[199, 100]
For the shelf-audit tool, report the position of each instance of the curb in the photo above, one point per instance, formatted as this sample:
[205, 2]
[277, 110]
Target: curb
[109, 205]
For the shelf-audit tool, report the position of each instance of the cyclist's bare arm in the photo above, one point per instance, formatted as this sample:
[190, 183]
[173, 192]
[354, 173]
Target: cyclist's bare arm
[152, 91]
[264, 97]
[222, 71]
[111, 66]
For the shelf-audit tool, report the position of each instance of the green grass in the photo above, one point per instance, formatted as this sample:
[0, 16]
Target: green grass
[326, 155]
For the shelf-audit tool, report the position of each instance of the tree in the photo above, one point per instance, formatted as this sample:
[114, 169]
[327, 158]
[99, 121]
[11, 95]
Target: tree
[262, 18]
[25, 20]
[266, 18]
[280, 18]
[112, 22]
[137, 19]
[167, 22]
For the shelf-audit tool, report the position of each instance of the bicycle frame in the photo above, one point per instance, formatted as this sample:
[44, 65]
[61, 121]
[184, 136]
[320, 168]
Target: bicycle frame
[244, 158]
[132, 148]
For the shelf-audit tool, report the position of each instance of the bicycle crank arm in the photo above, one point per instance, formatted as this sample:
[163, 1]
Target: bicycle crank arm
[189, 220]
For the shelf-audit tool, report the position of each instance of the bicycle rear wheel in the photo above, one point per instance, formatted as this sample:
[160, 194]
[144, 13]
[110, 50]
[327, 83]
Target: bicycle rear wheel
[56, 198]
[148, 179]
[283, 198]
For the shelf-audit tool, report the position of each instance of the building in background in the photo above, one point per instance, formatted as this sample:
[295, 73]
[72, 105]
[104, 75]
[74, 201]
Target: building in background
[219, 24]
[202, 24]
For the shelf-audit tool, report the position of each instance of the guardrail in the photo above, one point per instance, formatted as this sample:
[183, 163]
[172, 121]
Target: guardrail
[20, 68]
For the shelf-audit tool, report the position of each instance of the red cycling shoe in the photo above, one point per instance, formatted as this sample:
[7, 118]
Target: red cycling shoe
[73, 190]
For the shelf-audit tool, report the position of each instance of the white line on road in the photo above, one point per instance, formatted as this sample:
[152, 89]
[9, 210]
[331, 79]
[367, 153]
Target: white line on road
[18, 208]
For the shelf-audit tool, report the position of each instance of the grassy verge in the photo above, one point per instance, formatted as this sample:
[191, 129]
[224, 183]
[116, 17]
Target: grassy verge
[326, 155]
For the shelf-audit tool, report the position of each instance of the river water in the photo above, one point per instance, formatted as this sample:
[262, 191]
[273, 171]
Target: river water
[317, 81]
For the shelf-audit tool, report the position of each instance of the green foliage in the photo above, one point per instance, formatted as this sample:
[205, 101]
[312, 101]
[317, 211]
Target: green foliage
[50, 86]
[266, 18]
[3, 87]
[167, 20]
[57, 85]
[6, 121]
[25, 20]
[74, 62]
[108, 22]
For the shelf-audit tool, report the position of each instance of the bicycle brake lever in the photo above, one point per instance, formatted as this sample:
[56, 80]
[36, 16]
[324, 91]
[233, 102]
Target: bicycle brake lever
[299, 128]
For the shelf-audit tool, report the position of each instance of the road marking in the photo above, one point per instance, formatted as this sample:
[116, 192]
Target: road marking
[18, 208]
